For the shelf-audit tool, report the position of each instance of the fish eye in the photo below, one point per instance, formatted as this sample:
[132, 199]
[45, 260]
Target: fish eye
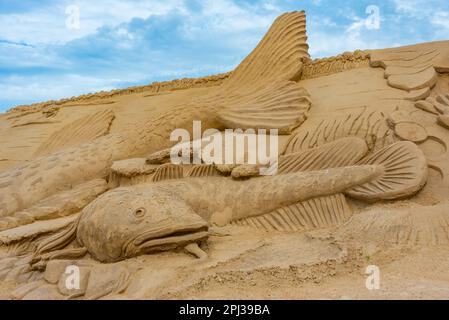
[140, 213]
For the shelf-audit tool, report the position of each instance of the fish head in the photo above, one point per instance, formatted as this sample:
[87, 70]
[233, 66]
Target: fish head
[126, 222]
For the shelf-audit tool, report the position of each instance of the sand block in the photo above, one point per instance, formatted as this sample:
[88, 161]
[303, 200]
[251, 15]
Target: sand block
[410, 131]
[426, 106]
[409, 82]
[443, 120]
[419, 94]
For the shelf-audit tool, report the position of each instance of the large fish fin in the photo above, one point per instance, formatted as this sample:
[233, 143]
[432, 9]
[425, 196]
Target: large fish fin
[29, 232]
[58, 240]
[55, 246]
[168, 172]
[278, 56]
[283, 105]
[405, 173]
[262, 93]
[316, 213]
[339, 153]
[85, 129]
[40, 262]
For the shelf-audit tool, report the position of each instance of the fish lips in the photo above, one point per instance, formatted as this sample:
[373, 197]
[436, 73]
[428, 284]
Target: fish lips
[168, 239]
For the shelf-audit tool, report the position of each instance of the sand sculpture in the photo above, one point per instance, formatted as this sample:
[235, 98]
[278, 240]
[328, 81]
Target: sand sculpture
[359, 132]
[272, 91]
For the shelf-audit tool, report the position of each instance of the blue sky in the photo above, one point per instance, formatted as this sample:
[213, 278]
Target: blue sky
[119, 43]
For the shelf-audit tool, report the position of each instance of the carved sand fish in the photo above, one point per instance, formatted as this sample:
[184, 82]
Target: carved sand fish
[127, 222]
[174, 210]
[260, 94]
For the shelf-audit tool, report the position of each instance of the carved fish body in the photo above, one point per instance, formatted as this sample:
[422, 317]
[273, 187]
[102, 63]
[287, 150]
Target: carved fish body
[126, 222]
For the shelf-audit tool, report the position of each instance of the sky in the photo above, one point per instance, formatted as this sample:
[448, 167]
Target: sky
[52, 49]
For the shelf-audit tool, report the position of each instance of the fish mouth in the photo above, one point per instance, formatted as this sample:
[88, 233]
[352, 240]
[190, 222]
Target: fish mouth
[152, 241]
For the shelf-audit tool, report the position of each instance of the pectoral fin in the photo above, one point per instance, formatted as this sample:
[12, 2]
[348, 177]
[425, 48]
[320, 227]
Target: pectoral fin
[405, 173]
[283, 105]
[316, 213]
[339, 153]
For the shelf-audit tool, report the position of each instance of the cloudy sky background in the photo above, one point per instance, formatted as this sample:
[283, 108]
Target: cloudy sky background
[121, 43]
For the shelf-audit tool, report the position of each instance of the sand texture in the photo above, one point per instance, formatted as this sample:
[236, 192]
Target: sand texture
[87, 183]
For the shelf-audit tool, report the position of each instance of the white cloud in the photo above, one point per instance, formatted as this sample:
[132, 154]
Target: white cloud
[225, 16]
[39, 88]
[410, 7]
[271, 5]
[433, 11]
[47, 24]
[441, 19]
[356, 26]
[22, 56]
[328, 38]
[323, 44]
